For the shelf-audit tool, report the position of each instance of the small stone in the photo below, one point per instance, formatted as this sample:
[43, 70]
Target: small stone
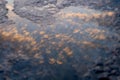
[104, 74]
[118, 78]
[108, 62]
[97, 68]
[113, 78]
[86, 75]
[115, 66]
[107, 69]
[115, 73]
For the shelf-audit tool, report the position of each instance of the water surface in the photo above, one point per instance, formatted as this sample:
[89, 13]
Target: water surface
[71, 43]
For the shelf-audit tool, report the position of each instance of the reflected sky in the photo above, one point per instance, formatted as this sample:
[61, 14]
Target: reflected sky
[74, 38]
[74, 30]
[74, 27]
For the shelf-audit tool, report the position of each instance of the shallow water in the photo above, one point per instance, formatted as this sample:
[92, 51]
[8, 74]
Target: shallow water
[74, 41]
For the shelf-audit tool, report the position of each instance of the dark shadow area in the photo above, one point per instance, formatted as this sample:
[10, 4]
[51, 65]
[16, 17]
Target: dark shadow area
[104, 78]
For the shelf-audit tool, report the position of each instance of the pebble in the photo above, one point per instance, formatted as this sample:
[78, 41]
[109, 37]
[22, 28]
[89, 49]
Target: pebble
[107, 69]
[104, 74]
[114, 67]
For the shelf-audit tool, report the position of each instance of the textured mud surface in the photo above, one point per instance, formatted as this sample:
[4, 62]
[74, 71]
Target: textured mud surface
[59, 40]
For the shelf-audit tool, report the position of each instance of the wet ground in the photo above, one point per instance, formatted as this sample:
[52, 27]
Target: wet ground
[61, 48]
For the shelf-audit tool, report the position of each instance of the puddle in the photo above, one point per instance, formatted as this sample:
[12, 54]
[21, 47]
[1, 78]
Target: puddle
[70, 41]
